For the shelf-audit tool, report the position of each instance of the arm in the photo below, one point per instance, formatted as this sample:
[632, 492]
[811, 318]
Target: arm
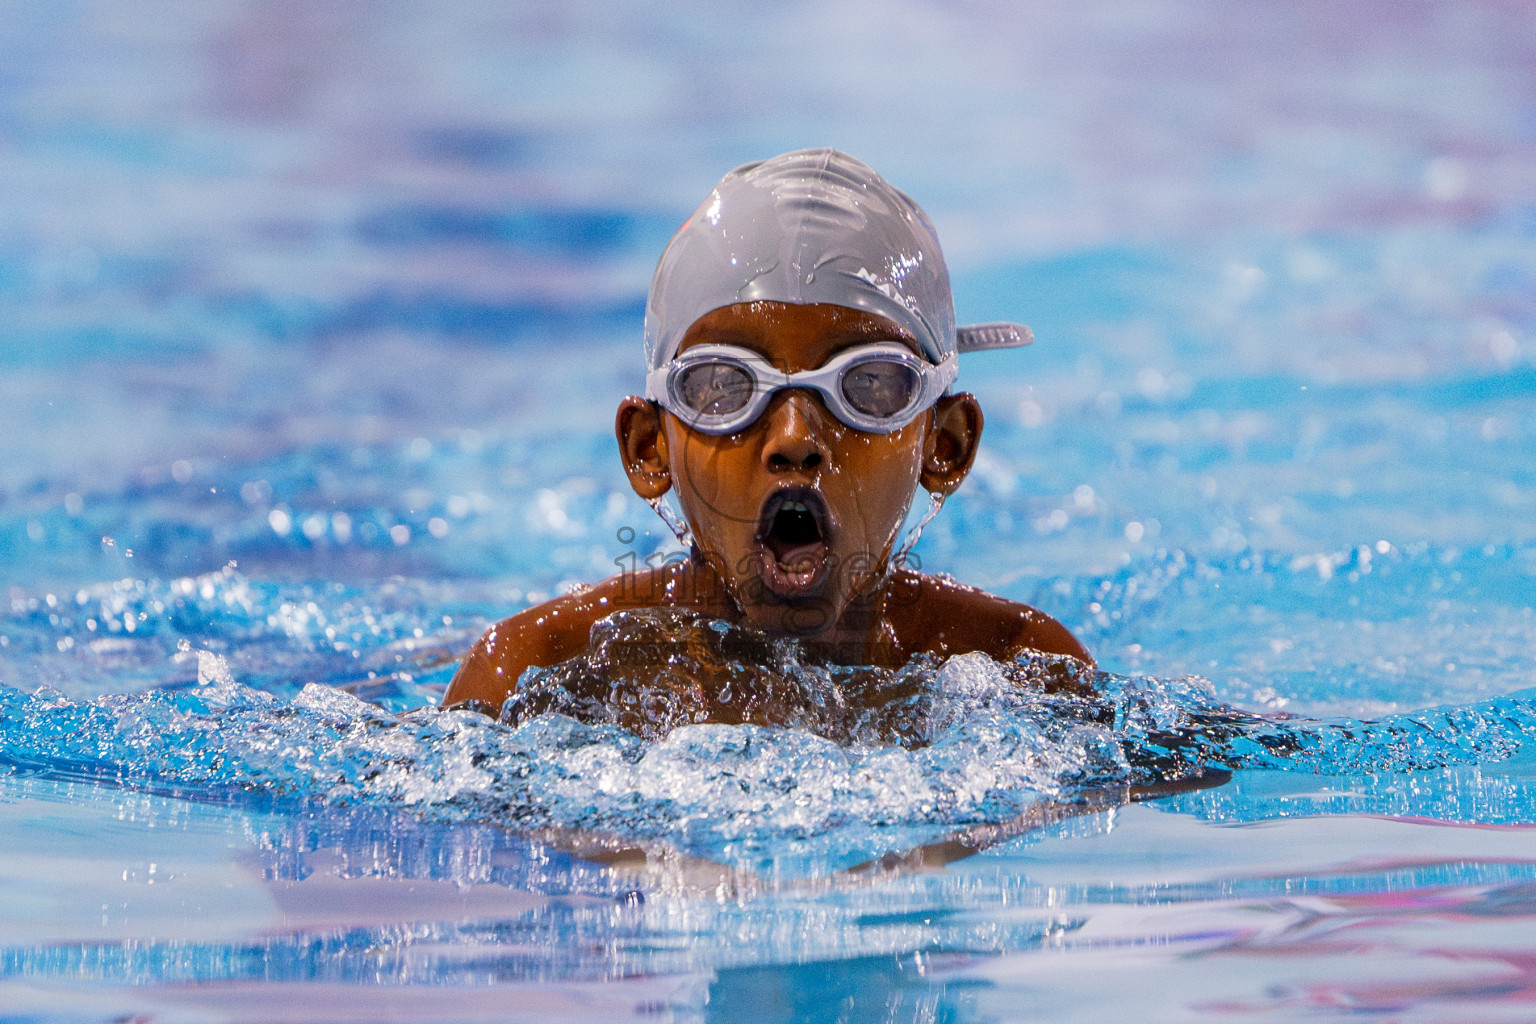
[1038, 631]
[543, 635]
[941, 616]
[489, 674]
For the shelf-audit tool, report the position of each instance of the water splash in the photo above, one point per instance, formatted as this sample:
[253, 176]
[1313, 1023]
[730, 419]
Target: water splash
[806, 769]
[675, 522]
[936, 502]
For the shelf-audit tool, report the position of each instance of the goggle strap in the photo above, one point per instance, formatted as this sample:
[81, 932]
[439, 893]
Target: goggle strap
[982, 337]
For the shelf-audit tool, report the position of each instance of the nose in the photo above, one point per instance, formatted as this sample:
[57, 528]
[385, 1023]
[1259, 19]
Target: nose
[793, 438]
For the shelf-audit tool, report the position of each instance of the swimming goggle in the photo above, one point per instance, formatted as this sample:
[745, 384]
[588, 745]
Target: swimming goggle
[878, 388]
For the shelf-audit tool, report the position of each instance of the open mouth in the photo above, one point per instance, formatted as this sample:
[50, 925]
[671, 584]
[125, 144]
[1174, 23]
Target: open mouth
[793, 532]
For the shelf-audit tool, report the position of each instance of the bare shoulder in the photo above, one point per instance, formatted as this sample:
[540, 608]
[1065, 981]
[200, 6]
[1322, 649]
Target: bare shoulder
[939, 615]
[543, 635]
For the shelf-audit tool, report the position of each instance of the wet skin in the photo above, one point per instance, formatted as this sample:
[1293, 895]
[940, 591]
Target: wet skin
[794, 518]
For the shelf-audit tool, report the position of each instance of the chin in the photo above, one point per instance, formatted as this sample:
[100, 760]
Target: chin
[797, 617]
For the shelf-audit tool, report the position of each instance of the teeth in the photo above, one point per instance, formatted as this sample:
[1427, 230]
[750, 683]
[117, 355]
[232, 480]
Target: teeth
[792, 505]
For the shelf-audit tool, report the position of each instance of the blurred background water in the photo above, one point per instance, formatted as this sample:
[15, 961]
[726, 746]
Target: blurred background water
[312, 320]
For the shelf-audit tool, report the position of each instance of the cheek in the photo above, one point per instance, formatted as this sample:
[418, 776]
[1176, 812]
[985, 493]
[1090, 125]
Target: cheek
[880, 475]
[712, 477]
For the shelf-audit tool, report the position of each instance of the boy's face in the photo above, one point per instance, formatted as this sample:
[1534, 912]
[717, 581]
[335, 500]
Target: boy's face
[798, 511]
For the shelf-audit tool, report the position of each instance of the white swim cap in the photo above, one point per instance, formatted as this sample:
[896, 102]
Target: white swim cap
[814, 225]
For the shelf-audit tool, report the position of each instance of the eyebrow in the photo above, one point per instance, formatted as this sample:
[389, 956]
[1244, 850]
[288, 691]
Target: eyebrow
[726, 336]
[886, 332]
[847, 334]
[873, 333]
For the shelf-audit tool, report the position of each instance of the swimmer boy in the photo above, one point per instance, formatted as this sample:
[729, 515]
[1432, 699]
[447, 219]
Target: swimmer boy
[801, 346]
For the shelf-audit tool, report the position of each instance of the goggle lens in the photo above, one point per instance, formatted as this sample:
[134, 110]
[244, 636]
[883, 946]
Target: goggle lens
[715, 388]
[881, 387]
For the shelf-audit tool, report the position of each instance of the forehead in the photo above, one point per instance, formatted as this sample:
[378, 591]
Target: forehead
[794, 336]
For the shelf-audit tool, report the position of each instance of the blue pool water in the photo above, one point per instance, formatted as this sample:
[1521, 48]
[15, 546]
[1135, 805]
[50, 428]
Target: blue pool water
[312, 322]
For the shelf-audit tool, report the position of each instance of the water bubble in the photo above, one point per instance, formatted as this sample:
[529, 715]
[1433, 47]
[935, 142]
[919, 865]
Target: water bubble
[1504, 347]
[1152, 385]
[1445, 179]
[255, 492]
[314, 526]
[1244, 282]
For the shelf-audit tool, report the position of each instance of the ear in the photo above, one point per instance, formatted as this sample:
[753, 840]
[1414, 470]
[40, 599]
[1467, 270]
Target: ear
[952, 441]
[643, 447]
